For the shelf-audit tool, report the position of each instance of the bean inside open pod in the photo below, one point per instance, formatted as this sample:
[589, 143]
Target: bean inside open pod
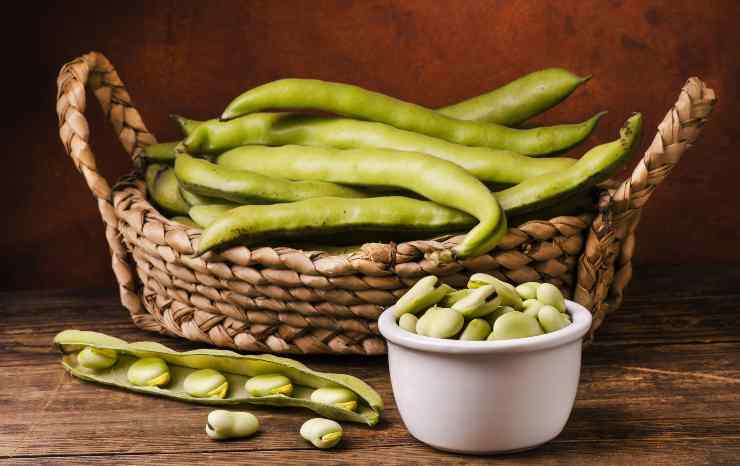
[235, 368]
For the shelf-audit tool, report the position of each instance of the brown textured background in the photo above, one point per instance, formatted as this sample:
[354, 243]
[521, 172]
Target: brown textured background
[192, 57]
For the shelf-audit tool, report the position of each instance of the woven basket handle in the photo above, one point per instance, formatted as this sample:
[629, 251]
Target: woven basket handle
[605, 267]
[95, 71]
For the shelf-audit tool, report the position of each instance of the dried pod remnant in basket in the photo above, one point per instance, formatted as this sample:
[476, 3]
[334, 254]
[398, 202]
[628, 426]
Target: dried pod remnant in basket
[224, 424]
[322, 433]
[217, 377]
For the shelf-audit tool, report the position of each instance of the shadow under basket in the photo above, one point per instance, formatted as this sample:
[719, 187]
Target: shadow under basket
[288, 300]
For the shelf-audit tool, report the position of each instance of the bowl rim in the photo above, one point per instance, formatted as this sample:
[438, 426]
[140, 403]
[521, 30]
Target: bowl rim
[575, 331]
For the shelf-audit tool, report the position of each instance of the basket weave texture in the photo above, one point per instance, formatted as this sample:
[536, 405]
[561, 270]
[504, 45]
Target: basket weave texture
[285, 300]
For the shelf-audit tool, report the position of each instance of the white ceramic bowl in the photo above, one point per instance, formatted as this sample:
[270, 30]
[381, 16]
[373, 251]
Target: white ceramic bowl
[485, 396]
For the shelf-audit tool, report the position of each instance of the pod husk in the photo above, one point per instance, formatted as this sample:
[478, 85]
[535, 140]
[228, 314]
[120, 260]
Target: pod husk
[237, 368]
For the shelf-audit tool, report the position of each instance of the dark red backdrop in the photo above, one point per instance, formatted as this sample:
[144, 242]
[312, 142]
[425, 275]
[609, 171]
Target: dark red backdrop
[192, 57]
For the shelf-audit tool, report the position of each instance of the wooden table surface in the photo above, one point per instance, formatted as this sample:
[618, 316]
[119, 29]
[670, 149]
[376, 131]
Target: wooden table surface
[661, 385]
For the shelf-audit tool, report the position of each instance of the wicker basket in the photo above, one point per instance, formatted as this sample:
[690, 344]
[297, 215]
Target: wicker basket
[284, 300]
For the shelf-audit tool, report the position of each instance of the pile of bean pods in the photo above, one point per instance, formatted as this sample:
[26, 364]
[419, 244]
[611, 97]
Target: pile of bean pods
[217, 377]
[488, 309]
[381, 168]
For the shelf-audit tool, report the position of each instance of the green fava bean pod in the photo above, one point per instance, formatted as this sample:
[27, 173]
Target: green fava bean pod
[437, 180]
[96, 359]
[269, 384]
[149, 372]
[162, 187]
[408, 322]
[187, 221]
[204, 215]
[515, 325]
[498, 167]
[549, 294]
[518, 100]
[336, 396]
[208, 179]
[224, 424]
[595, 166]
[194, 199]
[551, 319]
[162, 152]
[359, 103]
[206, 383]
[440, 322]
[142, 365]
[186, 125]
[422, 295]
[528, 290]
[322, 216]
[476, 330]
[321, 433]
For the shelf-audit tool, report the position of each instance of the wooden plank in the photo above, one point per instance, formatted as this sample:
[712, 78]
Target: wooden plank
[714, 452]
[661, 385]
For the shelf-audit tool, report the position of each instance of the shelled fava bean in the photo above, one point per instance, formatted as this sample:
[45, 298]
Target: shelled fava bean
[224, 424]
[322, 433]
[488, 309]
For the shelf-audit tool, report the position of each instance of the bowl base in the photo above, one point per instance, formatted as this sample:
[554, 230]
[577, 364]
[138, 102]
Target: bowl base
[485, 453]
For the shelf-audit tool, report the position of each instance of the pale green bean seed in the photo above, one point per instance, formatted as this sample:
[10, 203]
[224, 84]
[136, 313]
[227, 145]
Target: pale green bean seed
[455, 296]
[269, 384]
[531, 307]
[321, 433]
[206, 383]
[408, 322]
[551, 319]
[476, 330]
[97, 358]
[422, 295]
[224, 424]
[515, 325]
[473, 305]
[547, 293]
[337, 396]
[498, 312]
[528, 290]
[149, 372]
[440, 322]
[506, 291]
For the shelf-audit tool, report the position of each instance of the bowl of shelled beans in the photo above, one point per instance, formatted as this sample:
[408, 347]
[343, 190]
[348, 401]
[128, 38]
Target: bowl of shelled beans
[492, 368]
